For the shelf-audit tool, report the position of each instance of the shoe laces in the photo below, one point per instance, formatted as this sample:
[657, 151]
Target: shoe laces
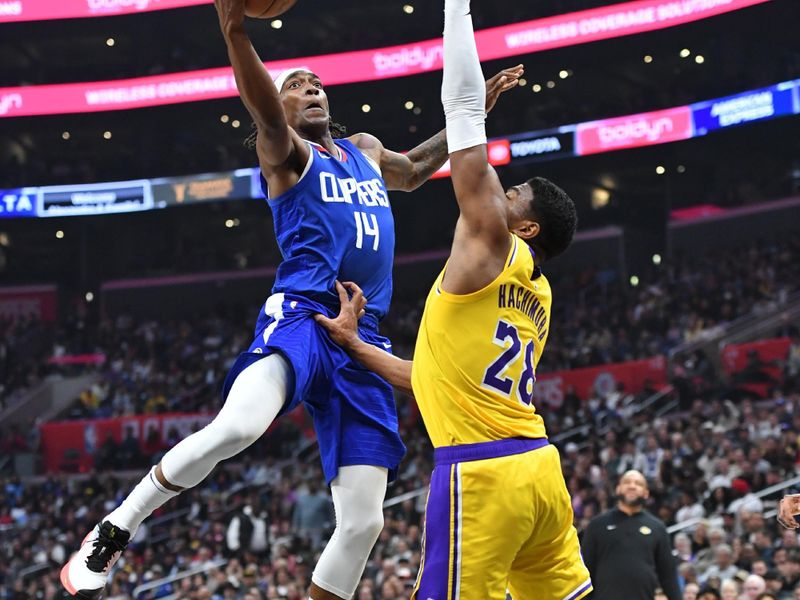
[108, 543]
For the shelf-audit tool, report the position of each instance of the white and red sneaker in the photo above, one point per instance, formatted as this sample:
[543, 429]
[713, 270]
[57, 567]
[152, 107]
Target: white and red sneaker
[85, 575]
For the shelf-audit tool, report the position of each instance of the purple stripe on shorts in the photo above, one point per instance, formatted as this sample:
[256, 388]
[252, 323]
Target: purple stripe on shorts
[435, 569]
[577, 593]
[447, 455]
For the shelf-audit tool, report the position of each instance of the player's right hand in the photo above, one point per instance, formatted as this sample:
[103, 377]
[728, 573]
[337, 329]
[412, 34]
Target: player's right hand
[230, 13]
[344, 328]
[788, 508]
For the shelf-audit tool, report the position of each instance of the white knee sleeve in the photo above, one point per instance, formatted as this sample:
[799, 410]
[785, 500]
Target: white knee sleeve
[358, 493]
[253, 402]
[463, 87]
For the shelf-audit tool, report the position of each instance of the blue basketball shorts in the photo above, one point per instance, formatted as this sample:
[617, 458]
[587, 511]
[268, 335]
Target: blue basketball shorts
[353, 409]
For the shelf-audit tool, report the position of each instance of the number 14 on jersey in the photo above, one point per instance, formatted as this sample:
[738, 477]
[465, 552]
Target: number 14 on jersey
[367, 226]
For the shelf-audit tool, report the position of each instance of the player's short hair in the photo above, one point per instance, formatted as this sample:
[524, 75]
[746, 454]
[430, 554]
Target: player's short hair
[556, 215]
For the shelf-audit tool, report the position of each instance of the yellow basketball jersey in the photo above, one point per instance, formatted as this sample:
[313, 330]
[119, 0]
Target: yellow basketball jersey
[476, 355]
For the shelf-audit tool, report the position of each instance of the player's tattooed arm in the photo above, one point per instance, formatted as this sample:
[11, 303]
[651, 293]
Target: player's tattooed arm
[406, 172]
[344, 331]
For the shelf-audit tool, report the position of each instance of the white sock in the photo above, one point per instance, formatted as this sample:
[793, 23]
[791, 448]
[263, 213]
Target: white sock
[147, 496]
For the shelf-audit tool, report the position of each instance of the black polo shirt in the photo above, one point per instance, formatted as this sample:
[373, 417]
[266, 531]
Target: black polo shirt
[629, 557]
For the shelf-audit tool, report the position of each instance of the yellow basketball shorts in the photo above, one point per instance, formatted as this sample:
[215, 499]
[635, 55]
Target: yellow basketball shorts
[499, 518]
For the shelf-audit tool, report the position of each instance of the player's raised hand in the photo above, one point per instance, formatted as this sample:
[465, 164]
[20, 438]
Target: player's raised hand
[502, 82]
[230, 13]
[788, 508]
[344, 328]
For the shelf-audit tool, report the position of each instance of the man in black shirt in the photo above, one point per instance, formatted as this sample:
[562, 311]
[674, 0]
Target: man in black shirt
[627, 550]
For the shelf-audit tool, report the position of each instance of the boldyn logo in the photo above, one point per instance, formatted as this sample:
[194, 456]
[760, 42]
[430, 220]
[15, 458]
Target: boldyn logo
[410, 59]
[644, 129]
[634, 130]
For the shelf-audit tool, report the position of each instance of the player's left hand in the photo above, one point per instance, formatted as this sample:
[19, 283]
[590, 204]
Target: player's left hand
[502, 82]
[344, 328]
[788, 508]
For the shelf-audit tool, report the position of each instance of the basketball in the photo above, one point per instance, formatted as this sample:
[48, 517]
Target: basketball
[266, 9]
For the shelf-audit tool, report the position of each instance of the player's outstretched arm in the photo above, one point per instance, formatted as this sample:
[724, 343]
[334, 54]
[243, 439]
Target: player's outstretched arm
[276, 141]
[406, 172]
[344, 331]
[481, 240]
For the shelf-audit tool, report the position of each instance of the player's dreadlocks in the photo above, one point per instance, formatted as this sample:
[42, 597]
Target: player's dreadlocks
[338, 131]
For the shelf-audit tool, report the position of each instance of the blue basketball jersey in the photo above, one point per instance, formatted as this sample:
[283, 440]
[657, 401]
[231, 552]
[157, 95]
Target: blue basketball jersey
[335, 223]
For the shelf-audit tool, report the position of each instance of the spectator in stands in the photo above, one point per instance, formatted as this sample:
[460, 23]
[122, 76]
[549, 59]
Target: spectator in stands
[632, 569]
[753, 586]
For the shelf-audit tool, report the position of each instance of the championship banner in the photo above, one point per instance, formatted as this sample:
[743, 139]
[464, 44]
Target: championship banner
[364, 65]
[38, 302]
[551, 388]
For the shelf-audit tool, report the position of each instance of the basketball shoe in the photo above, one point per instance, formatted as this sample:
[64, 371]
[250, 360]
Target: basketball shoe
[85, 575]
